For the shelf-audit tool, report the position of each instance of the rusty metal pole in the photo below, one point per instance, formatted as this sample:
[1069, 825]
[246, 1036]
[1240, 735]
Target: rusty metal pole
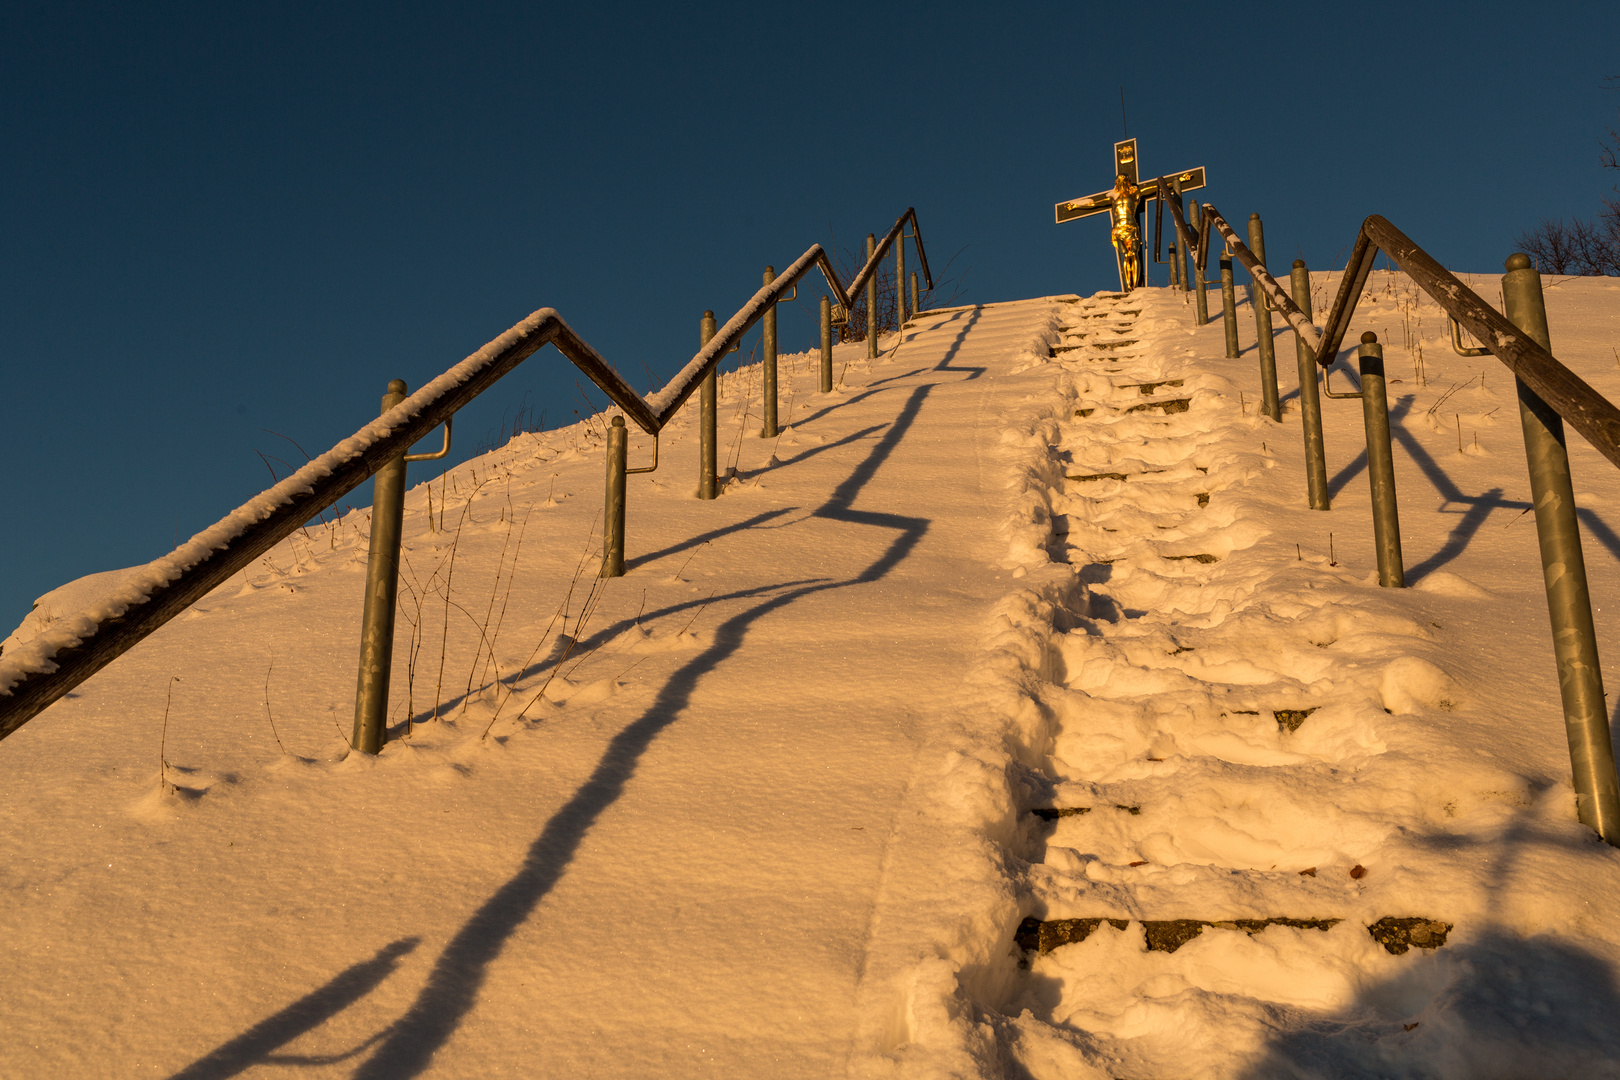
[382, 593]
[1310, 402]
[826, 345]
[1569, 601]
[1380, 464]
[1185, 255]
[618, 448]
[768, 364]
[900, 281]
[1200, 264]
[871, 300]
[916, 305]
[1270, 401]
[708, 458]
[1229, 305]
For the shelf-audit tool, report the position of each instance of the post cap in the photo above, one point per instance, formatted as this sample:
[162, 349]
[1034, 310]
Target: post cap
[618, 421]
[1369, 338]
[708, 314]
[1518, 261]
[1299, 264]
[396, 386]
[1254, 217]
[770, 272]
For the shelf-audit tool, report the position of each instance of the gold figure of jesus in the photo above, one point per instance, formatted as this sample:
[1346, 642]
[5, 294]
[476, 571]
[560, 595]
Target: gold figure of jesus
[1127, 240]
[1123, 202]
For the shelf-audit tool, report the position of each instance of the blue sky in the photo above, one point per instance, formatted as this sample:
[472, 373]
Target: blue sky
[219, 220]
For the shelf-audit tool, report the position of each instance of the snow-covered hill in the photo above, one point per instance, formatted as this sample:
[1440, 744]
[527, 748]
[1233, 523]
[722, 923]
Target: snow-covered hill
[1009, 716]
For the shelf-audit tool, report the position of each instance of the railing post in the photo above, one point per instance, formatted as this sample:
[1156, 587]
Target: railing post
[1310, 402]
[1380, 464]
[1175, 267]
[1569, 603]
[1270, 403]
[871, 301]
[709, 395]
[613, 505]
[1199, 263]
[826, 345]
[382, 592]
[900, 281]
[1229, 305]
[916, 304]
[1183, 253]
[768, 364]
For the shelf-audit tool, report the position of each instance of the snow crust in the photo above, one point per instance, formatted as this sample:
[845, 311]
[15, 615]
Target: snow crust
[765, 806]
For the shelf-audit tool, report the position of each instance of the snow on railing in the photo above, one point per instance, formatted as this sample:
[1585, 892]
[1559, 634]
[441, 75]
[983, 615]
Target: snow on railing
[37, 673]
[1549, 394]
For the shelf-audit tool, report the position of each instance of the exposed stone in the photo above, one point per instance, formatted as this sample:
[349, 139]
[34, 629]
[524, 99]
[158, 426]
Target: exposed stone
[1399, 935]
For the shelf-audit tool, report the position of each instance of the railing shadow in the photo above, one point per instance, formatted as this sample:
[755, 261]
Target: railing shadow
[1499, 1005]
[1478, 507]
[257, 1044]
[956, 347]
[565, 645]
[804, 455]
[703, 538]
[453, 985]
[835, 406]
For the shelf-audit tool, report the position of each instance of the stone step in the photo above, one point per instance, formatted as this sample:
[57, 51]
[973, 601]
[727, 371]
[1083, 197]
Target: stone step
[1396, 934]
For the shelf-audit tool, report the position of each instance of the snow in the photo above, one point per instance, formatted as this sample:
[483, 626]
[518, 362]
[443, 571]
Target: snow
[139, 585]
[763, 806]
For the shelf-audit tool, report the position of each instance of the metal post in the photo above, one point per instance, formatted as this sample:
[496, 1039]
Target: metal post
[871, 301]
[768, 431]
[1270, 403]
[900, 281]
[1184, 255]
[826, 345]
[1310, 402]
[1229, 305]
[1175, 267]
[382, 591]
[1380, 464]
[613, 505]
[1199, 264]
[1569, 603]
[916, 305]
[707, 482]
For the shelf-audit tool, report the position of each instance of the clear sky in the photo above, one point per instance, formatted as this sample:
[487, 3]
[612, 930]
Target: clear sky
[221, 219]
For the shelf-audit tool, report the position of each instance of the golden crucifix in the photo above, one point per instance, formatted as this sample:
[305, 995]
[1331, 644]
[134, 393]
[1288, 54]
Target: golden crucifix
[1124, 203]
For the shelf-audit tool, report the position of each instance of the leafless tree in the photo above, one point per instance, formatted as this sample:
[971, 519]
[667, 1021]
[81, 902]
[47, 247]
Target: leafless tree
[1585, 248]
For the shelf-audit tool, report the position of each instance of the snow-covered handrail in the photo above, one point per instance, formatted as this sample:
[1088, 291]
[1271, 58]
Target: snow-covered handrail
[1279, 296]
[882, 249]
[35, 674]
[1586, 410]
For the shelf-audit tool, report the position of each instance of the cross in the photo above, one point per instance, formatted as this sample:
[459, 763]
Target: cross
[1124, 202]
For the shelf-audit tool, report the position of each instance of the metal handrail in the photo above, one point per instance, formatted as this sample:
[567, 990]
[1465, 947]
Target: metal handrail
[1549, 394]
[31, 678]
[882, 249]
[1284, 303]
[1587, 411]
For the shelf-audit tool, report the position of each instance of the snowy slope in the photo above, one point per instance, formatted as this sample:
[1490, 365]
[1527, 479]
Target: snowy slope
[664, 865]
[1222, 723]
[766, 805]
